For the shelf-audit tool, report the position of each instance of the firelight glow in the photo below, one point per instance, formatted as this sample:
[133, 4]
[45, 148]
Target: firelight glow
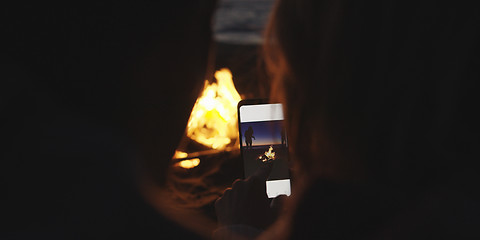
[189, 163]
[213, 121]
[269, 155]
[180, 154]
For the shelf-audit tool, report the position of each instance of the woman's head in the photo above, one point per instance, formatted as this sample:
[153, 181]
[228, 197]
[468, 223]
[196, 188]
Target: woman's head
[375, 90]
[120, 64]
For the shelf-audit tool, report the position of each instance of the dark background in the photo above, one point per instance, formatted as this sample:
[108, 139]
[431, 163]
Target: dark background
[86, 87]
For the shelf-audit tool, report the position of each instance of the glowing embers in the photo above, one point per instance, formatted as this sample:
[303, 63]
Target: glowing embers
[180, 154]
[187, 163]
[213, 121]
[268, 155]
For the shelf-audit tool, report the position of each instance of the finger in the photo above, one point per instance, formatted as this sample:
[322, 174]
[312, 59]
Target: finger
[226, 191]
[257, 182]
[218, 202]
[237, 183]
[219, 205]
[278, 202]
[220, 209]
[263, 172]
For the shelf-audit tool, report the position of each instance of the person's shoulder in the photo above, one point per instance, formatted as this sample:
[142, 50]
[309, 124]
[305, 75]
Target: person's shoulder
[376, 212]
[443, 211]
[340, 210]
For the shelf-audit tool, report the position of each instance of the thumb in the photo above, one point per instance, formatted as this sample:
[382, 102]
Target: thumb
[263, 172]
[277, 205]
[278, 202]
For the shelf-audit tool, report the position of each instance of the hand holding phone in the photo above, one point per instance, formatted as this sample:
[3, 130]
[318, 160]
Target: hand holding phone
[263, 140]
[264, 150]
[246, 202]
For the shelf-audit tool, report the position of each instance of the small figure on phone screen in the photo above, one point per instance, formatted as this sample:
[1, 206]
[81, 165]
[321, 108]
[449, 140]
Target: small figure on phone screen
[248, 137]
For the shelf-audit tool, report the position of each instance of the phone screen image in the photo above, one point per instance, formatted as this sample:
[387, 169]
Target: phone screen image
[263, 139]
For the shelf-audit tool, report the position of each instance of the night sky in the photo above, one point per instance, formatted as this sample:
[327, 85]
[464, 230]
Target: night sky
[265, 133]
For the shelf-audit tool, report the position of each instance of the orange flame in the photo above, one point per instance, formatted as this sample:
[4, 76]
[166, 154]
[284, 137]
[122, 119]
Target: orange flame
[213, 121]
[268, 155]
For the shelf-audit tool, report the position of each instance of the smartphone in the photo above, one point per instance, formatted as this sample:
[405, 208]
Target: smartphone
[263, 139]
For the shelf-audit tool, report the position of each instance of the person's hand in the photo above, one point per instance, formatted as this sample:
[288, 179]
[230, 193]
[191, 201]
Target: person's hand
[247, 202]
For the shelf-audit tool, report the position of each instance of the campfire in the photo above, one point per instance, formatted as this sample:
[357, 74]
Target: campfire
[211, 136]
[213, 121]
[268, 155]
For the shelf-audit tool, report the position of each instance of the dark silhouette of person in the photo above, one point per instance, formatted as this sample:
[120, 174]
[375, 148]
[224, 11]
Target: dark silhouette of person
[248, 137]
[378, 97]
[84, 92]
[284, 138]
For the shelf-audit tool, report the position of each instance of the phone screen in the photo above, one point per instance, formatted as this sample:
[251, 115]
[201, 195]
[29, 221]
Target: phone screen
[263, 139]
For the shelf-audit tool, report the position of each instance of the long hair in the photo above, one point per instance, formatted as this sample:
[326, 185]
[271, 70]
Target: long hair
[376, 91]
